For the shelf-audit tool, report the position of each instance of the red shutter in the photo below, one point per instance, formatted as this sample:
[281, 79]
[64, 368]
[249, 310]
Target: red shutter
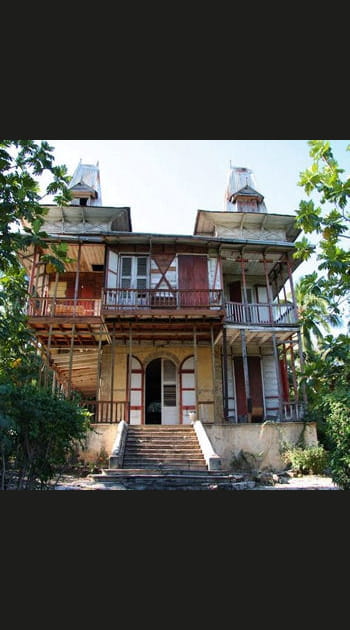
[193, 280]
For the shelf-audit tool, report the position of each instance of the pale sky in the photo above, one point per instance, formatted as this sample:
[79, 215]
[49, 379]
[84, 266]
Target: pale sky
[165, 182]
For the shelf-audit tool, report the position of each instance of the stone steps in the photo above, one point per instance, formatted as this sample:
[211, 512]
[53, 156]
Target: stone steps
[152, 479]
[163, 447]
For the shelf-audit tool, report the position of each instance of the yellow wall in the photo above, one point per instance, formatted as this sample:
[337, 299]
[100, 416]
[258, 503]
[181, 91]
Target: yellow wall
[145, 354]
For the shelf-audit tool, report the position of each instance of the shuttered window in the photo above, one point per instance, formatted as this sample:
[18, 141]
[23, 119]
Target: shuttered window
[133, 274]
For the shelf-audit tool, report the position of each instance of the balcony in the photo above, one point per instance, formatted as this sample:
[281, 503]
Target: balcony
[63, 307]
[261, 313]
[131, 300]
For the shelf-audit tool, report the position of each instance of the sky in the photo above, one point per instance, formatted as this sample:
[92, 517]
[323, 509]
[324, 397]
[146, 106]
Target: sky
[165, 182]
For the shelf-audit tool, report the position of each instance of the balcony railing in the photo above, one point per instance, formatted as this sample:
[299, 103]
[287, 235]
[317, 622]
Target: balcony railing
[63, 307]
[106, 411]
[260, 313]
[130, 299]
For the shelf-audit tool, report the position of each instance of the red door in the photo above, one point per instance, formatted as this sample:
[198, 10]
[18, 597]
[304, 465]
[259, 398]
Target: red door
[193, 280]
[255, 384]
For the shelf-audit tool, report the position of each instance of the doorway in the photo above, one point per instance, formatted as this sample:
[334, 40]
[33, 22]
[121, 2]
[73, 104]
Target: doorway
[161, 405]
[153, 400]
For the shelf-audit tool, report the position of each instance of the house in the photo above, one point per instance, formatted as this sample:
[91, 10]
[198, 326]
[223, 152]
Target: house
[174, 330]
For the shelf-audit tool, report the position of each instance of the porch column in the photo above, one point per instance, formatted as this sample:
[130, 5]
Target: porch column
[69, 393]
[224, 372]
[292, 363]
[213, 365]
[292, 287]
[278, 375]
[129, 374]
[76, 286]
[246, 375]
[112, 375]
[244, 291]
[32, 271]
[302, 364]
[98, 375]
[268, 289]
[195, 369]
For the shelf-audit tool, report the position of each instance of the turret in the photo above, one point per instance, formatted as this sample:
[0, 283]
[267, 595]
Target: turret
[240, 194]
[85, 185]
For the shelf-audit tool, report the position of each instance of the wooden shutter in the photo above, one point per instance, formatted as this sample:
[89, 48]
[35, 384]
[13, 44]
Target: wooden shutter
[193, 280]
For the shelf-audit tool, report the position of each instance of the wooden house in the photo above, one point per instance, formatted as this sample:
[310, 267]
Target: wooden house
[162, 329]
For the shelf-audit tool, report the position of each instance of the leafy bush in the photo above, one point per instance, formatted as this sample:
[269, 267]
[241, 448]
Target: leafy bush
[38, 433]
[306, 461]
[338, 430]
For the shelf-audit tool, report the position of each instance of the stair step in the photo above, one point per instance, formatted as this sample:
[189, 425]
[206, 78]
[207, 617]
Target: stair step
[163, 447]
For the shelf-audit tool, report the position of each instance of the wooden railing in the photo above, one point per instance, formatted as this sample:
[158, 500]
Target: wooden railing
[293, 411]
[63, 307]
[260, 313]
[125, 299]
[106, 411]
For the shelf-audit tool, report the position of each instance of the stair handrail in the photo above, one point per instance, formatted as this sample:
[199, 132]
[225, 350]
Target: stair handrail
[116, 457]
[212, 459]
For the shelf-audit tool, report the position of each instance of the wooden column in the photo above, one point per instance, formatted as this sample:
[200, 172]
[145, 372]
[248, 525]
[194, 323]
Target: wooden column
[292, 287]
[129, 373]
[195, 369]
[98, 407]
[295, 384]
[53, 308]
[302, 364]
[278, 375]
[112, 374]
[32, 271]
[268, 290]
[224, 372]
[247, 317]
[246, 374]
[71, 363]
[76, 285]
[213, 365]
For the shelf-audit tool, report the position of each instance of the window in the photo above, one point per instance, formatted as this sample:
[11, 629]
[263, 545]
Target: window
[134, 278]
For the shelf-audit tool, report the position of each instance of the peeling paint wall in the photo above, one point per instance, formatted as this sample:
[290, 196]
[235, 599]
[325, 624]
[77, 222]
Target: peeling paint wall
[262, 441]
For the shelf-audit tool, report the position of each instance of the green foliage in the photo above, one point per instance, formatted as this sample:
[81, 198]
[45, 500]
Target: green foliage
[338, 432]
[38, 433]
[21, 214]
[321, 296]
[324, 178]
[306, 461]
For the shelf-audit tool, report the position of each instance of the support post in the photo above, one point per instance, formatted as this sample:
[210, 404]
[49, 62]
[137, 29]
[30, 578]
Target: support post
[246, 375]
[278, 375]
[224, 372]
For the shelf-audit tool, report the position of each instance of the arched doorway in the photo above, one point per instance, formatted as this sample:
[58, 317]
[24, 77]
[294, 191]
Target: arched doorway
[161, 396]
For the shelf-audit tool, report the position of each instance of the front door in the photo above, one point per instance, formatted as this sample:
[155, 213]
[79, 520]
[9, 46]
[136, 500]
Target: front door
[161, 392]
[255, 385]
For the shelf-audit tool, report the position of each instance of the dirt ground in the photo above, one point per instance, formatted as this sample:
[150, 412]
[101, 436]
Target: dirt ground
[307, 482]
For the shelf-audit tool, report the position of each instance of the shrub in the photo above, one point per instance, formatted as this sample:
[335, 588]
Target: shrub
[338, 430]
[38, 434]
[306, 461]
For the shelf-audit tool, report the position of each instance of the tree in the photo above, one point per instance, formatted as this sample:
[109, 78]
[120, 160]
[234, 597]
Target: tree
[37, 430]
[21, 215]
[329, 220]
[317, 313]
[326, 373]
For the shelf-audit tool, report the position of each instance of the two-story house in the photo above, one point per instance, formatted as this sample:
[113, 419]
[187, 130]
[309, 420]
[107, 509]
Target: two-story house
[165, 329]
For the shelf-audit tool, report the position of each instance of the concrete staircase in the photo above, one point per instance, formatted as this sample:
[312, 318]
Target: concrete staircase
[163, 447]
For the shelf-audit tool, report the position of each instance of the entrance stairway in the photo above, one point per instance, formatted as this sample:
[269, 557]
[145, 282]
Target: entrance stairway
[166, 457]
[163, 447]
